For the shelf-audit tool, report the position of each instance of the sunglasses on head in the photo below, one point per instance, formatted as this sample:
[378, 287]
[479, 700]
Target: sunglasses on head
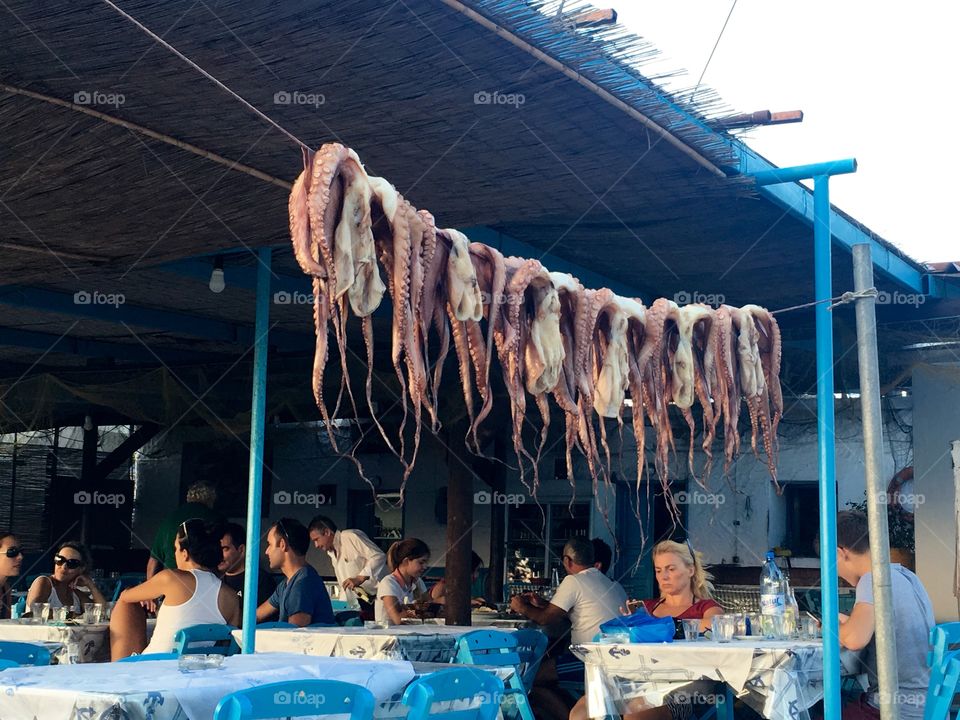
[13, 552]
[71, 563]
[197, 524]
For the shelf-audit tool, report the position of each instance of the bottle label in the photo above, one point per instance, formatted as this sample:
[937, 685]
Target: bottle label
[772, 604]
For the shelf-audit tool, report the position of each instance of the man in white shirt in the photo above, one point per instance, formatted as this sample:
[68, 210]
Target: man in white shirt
[357, 561]
[586, 596]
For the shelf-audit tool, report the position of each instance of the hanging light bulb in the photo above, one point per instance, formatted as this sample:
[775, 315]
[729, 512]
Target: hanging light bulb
[217, 282]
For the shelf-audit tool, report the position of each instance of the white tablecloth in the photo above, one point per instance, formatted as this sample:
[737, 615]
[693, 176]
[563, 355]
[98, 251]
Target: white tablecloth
[157, 690]
[73, 643]
[779, 679]
[416, 643]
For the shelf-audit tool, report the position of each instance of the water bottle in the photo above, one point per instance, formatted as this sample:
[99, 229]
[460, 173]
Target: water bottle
[554, 579]
[772, 588]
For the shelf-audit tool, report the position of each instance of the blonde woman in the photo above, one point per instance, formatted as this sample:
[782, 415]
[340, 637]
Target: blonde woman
[685, 594]
[685, 588]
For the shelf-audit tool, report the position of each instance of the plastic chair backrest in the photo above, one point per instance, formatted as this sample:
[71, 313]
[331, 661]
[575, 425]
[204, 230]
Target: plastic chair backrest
[495, 648]
[943, 687]
[7, 664]
[342, 616]
[943, 639]
[24, 653]
[445, 686]
[150, 656]
[339, 605]
[184, 640]
[297, 698]
[488, 647]
[275, 625]
[531, 647]
[353, 622]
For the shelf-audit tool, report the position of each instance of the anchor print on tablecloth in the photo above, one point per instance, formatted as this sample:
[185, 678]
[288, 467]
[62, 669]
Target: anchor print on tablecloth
[617, 651]
[357, 652]
[152, 704]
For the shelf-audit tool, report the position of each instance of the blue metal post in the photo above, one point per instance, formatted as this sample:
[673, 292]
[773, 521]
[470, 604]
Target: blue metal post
[826, 449]
[257, 420]
[823, 290]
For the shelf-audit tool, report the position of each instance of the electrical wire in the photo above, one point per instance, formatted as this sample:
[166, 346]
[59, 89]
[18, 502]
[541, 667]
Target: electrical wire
[697, 87]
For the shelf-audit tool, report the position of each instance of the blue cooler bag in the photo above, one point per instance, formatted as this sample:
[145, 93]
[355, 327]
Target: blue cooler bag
[642, 627]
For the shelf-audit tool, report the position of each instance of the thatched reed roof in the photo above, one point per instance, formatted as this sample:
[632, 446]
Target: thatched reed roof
[89, 205]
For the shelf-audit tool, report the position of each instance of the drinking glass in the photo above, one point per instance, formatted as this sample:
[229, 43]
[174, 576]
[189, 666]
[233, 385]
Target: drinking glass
[36, 612]
[755, 623]
[92, 613]
[774, 627]
[810, 629]
[691, 629]
[60, 614]
[44, 612]
[723, 627]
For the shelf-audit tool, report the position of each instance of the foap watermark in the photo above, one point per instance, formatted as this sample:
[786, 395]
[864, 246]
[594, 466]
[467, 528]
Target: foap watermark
[686, 297]
[96, 97]
[908, 500]
[301, 699]
[283, 297]
[84, 297]
[86, 497]
[695, 497]
[295, 97]
[900, 298]
[484, 497]
[692, 696]
[296, 497]
[498, 98]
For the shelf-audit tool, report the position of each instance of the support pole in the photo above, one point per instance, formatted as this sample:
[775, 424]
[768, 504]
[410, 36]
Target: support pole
[823, 291]
[459, 526]
[826, 449]
[257, 418]
[884, 631]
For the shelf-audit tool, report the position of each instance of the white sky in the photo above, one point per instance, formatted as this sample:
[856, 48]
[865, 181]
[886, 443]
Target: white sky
[876, 81]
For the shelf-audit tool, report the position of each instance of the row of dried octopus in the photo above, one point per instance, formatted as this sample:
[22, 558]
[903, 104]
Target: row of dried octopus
[551, 336]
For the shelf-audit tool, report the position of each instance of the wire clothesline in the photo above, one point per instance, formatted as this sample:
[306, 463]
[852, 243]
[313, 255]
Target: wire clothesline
[207, 75]
[848, 297]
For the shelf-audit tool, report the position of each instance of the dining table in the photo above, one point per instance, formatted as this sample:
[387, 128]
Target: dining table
[779, 679]
[159, 690]
[413, 642]
[70, 642]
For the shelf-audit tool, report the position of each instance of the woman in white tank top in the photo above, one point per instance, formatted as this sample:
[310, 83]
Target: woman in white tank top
[192, 595]
[70, 573]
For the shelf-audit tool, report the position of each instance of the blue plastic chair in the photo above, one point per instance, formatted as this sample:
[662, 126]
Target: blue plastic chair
[185, 641]
[943, 639]
[297, 698]
[531, 647]
[343, 616]
[353, 622]
[276, 624]
[494, 648]
[8, 664]
[339, 605]
[150, 656]
[445, 686]
[24, 653]
[942, 690]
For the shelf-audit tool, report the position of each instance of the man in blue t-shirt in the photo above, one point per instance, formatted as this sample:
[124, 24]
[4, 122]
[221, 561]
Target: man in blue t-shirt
[301, 598]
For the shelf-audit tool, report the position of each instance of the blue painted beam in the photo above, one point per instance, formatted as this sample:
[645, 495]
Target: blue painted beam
[77, 305]
[590, 278]
[67, 345]
[798, 200]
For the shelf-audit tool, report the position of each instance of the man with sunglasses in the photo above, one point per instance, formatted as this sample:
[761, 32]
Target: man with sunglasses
[301, 597]
[11, 558]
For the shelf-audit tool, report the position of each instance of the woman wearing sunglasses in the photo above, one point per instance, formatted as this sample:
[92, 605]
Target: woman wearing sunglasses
[69, 586]
[11, 557]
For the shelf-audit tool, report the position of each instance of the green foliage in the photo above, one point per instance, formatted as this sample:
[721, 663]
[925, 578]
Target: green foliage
[899, 524]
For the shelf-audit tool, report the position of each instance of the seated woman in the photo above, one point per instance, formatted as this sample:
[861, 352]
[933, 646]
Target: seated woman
[398, 591]
[438, 593]
[685, 594]
[11, 558]
[192, 595]
[63, 588]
